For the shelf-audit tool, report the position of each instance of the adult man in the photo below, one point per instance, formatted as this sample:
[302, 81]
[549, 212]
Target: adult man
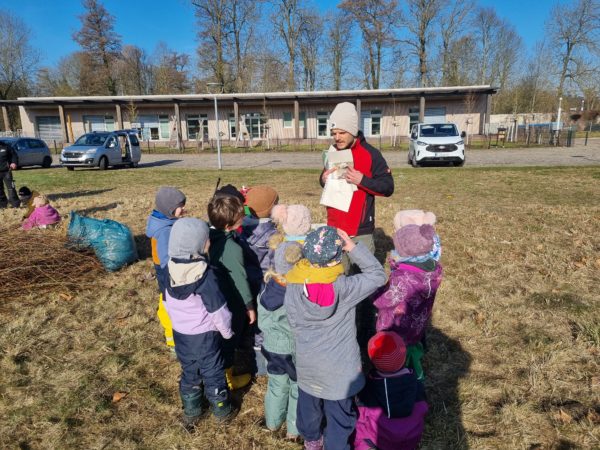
[8, 162]
[370, 174]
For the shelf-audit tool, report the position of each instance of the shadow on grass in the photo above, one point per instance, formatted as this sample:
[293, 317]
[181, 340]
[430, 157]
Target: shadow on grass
[383, 244]
[95, 209]
[162, 162]
[445, 363]
[143, 245]
[69, 195]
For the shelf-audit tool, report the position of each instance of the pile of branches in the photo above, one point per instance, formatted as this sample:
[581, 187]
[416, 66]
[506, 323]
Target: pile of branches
[43, 261]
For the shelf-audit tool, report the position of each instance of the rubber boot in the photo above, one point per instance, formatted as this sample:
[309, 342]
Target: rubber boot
[192, 409]
[222, 408]
[236, 381]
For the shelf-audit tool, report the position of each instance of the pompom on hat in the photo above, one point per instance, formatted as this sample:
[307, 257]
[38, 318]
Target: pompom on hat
[323, 247]
[414, 240]
[295, 220]
[413, 217]
[285, 256]
[344, 117]
[387, 351]
[261, 199]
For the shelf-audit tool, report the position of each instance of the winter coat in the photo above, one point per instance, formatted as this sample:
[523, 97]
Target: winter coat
[377, 180]
[273, 321]
[257, 232]
[193, 300]
[405, 304]
[40, 217]
[327, 354]
[227, 257]
[7, 157]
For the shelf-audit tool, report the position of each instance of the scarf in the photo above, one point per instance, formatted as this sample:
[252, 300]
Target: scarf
[305, 273]
[434, 254]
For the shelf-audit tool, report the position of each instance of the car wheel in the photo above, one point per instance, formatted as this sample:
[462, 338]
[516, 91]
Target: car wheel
[414, 162]
[459, 164]
[47, 162]
[70, 168]
[103, 163]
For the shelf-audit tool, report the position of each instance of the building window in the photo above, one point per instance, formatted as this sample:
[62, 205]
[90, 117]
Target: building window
[322, 129]
[375, 122]
[197, 126]
[255, 123]
[163, 122]
[432, 115]
[98, 123]
[288, 120]
[232, 126]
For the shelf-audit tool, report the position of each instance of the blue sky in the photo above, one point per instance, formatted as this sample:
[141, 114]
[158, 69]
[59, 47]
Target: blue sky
[146, 22]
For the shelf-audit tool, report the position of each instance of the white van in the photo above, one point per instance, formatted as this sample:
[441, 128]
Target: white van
[436, 142]
[103, 149]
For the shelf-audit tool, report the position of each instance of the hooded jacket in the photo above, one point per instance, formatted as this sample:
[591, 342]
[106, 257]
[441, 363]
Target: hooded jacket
[40, 217]
[273, 321]
[406, 303]
[158, 229]
[193, 300]
[377, 180]
[256, 233]
[327, 353]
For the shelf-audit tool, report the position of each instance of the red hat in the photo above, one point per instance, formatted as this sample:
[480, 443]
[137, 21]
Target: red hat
[387, 351]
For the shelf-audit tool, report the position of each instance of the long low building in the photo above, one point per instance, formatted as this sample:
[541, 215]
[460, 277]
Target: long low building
[184, 120]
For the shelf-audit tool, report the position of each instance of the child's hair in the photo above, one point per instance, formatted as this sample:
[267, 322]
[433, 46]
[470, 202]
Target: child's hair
[224, 211]
[24, 193]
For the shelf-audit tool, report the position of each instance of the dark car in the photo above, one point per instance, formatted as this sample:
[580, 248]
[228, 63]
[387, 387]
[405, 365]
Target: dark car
[30, 151]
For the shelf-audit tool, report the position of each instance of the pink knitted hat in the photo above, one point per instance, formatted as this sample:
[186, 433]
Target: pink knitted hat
[414, 240]
[294, 219]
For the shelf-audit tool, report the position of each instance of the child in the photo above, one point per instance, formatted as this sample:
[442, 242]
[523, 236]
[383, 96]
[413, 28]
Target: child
[257, 230]
[201, 320]
[294, 220]
[42, 214]
[278, 345]
[170, 206]
[225, 214]
[392, 406]
[406, 303]
[321, 306]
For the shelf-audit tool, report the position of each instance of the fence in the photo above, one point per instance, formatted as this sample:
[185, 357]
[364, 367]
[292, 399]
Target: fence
[539, 134]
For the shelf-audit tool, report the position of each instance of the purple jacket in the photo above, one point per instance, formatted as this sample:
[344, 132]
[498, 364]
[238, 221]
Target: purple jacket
[405, 304]
[193, 300]
[41, 216]
[257, 232]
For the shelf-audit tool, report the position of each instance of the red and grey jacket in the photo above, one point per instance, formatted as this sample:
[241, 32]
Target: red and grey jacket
[377, 180]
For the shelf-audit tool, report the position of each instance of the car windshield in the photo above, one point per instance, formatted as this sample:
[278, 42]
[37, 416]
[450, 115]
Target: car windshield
[94, 139]
[439, 130]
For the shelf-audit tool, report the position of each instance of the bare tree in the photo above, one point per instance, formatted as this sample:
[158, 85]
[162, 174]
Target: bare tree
[101, 45]
[134, 71]
[242, 17]
[574, 30]
[18, 60]
[169, 71]
[337, 46]
[486, 22]
[422, 14]
[376, 20]
[310, 43]
[455, 14]
[288, 18]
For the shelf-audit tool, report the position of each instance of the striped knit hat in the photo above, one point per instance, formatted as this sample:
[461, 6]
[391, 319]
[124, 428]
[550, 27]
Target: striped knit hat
[387, 351]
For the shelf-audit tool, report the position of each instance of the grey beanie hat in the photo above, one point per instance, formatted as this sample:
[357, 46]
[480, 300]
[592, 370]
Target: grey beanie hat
[285, 257]
[188, 238]
[344, 117]
[168, 199]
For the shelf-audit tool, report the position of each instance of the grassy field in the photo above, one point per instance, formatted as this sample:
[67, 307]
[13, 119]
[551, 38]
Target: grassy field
[514, 345]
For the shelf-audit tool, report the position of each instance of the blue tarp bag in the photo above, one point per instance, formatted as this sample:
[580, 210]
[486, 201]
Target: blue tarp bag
[112, 241]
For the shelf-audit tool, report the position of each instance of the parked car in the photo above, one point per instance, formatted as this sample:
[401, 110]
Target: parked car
[436, 142]
[30, 151]
[103, 149]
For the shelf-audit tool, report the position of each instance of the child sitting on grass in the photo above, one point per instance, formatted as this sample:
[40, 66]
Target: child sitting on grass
[392, 406]
[42, 213]
[278, 345]
[226, 214]
[405, 304]
[321, 305]
[170, 206]
[200, 320]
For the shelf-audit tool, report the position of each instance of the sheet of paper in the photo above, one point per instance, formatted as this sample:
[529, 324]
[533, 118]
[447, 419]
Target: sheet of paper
[337, 192]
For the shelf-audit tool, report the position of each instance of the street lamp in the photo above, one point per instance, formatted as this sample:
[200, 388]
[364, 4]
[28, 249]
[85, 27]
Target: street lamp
[220, 86]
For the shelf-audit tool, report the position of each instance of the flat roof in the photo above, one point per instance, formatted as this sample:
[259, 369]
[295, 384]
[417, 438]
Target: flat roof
[258, 96]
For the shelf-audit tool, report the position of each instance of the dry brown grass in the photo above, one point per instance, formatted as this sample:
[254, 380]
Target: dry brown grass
[513, 358]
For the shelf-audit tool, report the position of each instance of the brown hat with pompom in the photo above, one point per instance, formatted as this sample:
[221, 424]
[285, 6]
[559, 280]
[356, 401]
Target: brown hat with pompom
[261, 199]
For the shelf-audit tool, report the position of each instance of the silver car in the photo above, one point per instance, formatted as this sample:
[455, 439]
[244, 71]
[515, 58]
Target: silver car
[103, 149]
[30, 151]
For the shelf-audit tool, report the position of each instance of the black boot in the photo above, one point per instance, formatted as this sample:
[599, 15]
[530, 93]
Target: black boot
[192, 409]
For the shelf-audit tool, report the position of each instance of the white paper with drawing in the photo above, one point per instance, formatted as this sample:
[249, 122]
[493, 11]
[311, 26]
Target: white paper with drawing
[337, 192]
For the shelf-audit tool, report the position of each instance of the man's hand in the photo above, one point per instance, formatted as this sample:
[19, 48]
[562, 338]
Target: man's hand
[353, 176]
[13, 166]
[348, 243]
[251, 316]
[326, 174]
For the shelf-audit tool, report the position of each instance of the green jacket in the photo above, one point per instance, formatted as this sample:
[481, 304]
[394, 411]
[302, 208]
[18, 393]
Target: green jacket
[227, 257]
[272, 320]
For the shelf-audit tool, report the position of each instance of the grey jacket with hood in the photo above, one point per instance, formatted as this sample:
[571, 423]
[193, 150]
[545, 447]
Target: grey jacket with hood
[327, 354]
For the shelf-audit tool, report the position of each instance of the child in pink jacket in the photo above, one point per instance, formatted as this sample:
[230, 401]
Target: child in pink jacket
[42, 215]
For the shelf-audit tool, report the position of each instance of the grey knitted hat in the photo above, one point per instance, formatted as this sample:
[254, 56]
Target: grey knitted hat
[168, 199]
[188, 238]
[344, 117]
[285, 256]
